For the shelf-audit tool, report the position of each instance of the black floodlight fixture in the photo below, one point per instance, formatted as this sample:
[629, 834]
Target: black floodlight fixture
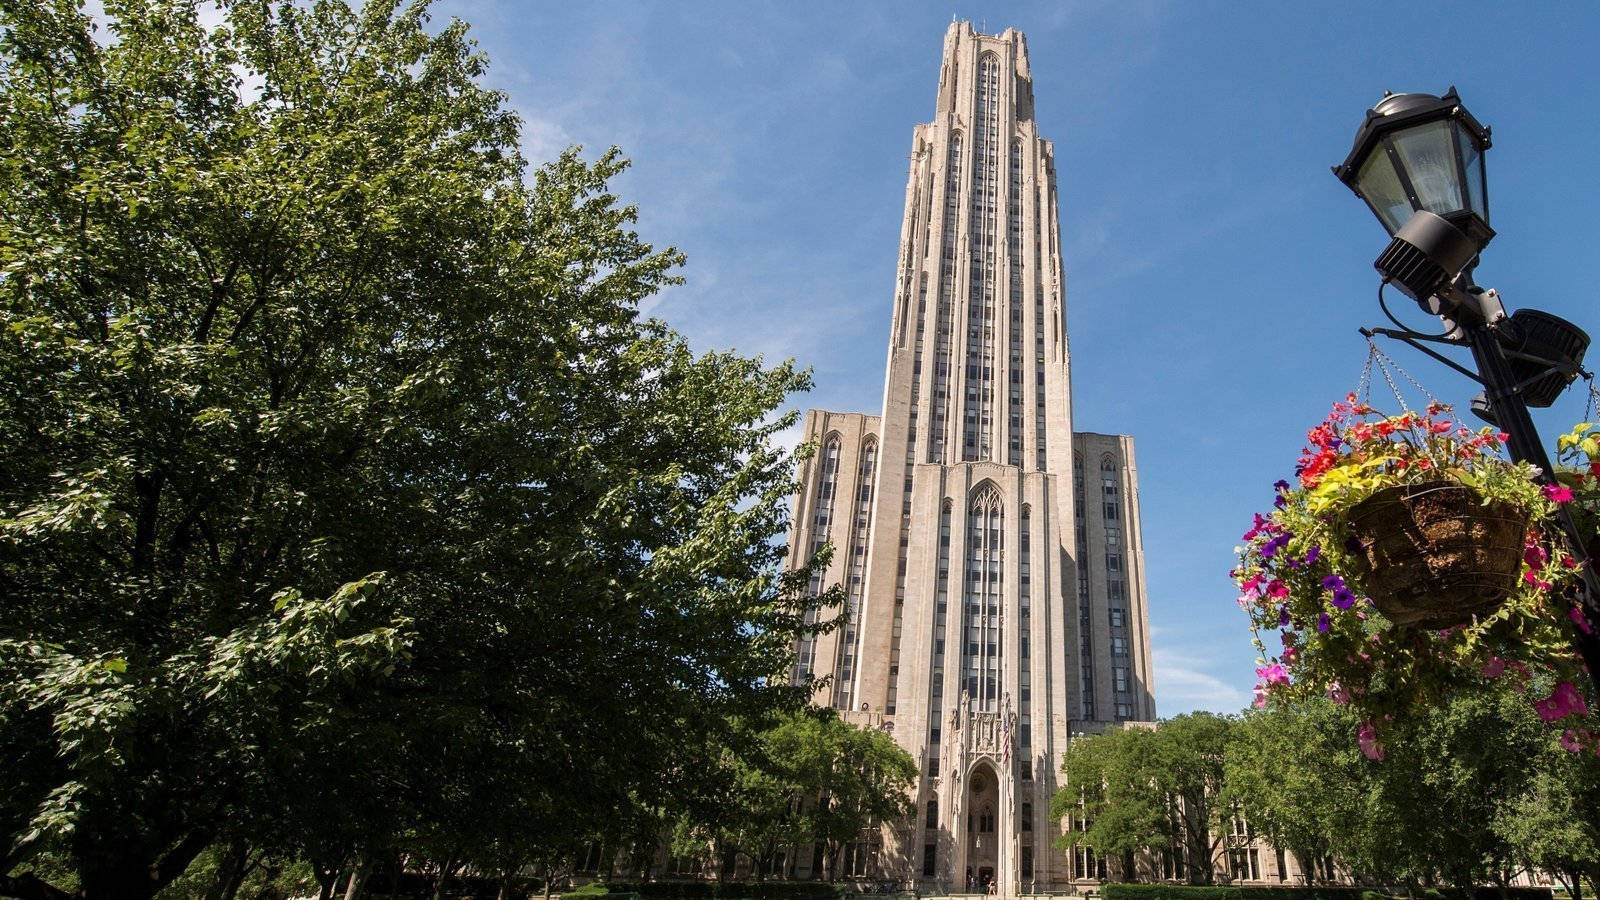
[1418, 163]
[1548, 357]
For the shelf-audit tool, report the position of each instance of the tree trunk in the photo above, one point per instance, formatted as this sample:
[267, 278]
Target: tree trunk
[231, 867]
[445, 870]
[1572, 880]
[136, 877]
[357, 884]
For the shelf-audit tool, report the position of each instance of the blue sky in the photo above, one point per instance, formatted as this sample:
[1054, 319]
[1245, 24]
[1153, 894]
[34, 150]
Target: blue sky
[1216, 271]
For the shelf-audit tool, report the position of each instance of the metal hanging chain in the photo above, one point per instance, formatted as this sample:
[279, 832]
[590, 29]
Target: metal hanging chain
[1364, 385]
[1384, 362]
[1593, 401]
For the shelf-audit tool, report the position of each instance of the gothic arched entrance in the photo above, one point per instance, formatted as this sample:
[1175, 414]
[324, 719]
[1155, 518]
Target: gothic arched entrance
[982, 827]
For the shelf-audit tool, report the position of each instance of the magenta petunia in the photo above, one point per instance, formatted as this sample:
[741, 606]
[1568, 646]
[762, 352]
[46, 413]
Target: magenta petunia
[1580, 620]
[1367, 737]
[1272, 674]
[1563, 701]
[1558, 493]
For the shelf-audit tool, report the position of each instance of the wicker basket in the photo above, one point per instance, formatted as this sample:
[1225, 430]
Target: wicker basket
[1434, 555]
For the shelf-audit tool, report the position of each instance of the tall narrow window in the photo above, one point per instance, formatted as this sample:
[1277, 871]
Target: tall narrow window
[1025, 612]
[1014, 320]
[943, 356]
[856, 574]
[941, 606]
[983, 218]
[822, 516]
[982, 646]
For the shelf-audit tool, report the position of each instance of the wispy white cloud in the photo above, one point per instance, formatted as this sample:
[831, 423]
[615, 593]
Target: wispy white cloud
[1187, 681]
[543, 138]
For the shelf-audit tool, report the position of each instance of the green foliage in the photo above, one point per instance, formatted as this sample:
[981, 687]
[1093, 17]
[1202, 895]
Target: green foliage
[1147, 790]
[346, 502]
[717, 890]
[1310, 892]
[812, 778]
[1168, 892]
[1467, 794]
[1297, 774]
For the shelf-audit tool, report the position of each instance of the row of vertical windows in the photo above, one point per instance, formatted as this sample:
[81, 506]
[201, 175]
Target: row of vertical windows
[1014, 245]
[1085, 645]
[827, 485]
[1110, 486]
[844, 671]
[1024, 612]
[946, 322]
[941, 598]
[1038, 333]
[977, 421]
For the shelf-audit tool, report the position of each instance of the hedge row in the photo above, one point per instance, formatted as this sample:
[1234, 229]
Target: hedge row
[1305, 892]
[718, 890]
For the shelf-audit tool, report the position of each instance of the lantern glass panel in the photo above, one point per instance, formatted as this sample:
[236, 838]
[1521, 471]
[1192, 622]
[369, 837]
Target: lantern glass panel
[1472, 169]
[1429, 156]
[1380, 187]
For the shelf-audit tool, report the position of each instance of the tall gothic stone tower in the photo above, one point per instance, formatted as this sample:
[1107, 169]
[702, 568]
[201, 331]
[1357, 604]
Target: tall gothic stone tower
[995, 607]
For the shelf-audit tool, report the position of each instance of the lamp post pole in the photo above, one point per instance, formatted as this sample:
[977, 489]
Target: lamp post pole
[1511, 415]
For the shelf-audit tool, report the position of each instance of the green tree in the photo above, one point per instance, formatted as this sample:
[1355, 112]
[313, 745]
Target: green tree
[346, 502]
[1151, 790]
[1466, 793]
[814, 779]
[1446, 777]
[1555, 824]
[1297, 776]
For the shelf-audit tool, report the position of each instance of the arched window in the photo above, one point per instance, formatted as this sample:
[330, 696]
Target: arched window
[933, 813]
[982, 646]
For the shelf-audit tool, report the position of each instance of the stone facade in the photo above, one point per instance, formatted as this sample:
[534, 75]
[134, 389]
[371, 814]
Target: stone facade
[991, 556]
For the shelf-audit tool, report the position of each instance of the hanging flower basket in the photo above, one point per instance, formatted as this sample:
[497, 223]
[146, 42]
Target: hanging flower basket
[1411, 560]
[1434, 554]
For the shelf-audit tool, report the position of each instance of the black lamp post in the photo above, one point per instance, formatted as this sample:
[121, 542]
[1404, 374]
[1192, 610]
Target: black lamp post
[1418, 162]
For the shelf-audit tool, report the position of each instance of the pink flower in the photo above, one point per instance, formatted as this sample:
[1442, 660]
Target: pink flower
[1494, 668]
[1261, 696]
[1338, 694]
[1273, 674]
[1557, 492]
[1581, 620]
[1570, 742]
[1536, 581]
[1277, 589]
[1367, 737]
[1534, 555]
[1562, 702]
